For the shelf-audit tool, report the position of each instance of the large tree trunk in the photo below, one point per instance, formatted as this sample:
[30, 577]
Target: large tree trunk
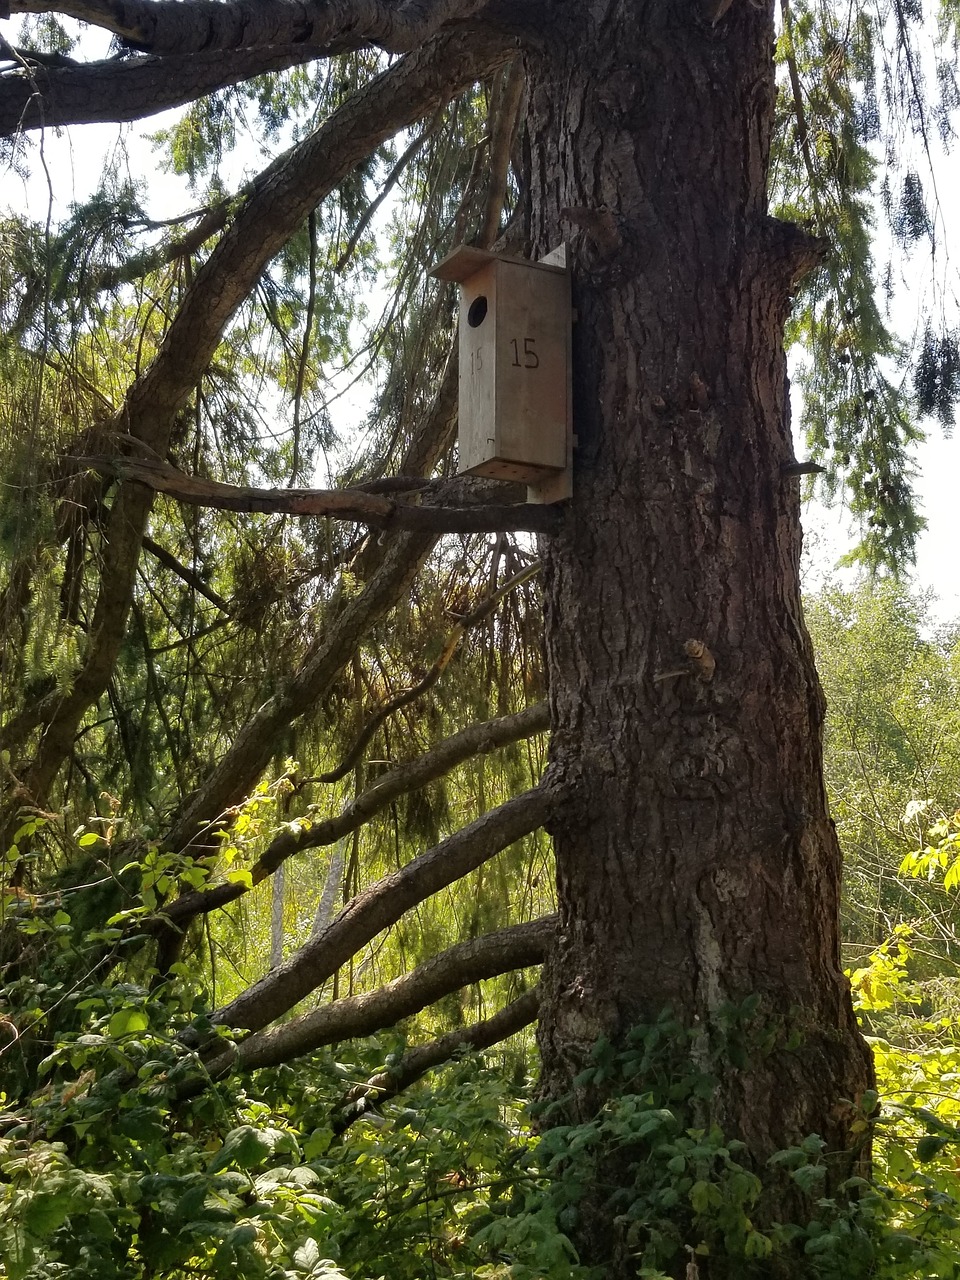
[699, 866]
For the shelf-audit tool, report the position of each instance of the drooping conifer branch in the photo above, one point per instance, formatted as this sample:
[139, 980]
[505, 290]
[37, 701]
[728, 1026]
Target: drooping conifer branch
[254, 746]
[476, 739]
[186, 574]
[515, 947]
[207, 26]
[382, 905]
[282, 197]
[416, 1062]
[406, 696]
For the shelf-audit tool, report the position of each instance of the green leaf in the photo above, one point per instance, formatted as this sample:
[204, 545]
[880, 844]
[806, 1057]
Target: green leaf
[307, 1256]
[45, 1212]
[825, 1243]
[245, 1147]
[243, 1234]
[809, 1177]
[127, 1021]
[757, 1245]
[869, 1100]
[930, 1146]
[704, 1196]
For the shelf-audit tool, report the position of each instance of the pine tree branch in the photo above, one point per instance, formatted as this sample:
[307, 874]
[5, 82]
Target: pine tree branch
[382, 905]
[515, 947]
[416, 1062]
[121, 90]
[406, 696]
[394, 176]
[513, 83]
[280, 200]
[207, 223]
[796, 89]
[347, 621]
[278, 203]
[197, 48]
[374, 510]
[218, 26]
[186, 574]
[388, 571]
[429, 444]
[475, 740]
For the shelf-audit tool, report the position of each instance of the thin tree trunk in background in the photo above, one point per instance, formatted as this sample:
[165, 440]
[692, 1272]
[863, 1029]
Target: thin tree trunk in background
[699, 865]
[277, 896]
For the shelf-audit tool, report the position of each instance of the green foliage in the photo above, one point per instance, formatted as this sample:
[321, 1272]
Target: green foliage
[917, 1059]
[850, 85]
[117, 1157]
[114, 1163]
[891, 754]
[680, 1191]
[113, 1166]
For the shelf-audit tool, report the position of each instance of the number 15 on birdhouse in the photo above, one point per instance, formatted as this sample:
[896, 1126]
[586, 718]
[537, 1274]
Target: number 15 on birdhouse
[515, 327]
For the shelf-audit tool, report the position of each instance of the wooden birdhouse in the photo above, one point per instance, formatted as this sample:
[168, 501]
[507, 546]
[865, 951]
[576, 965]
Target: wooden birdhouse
[515, 327]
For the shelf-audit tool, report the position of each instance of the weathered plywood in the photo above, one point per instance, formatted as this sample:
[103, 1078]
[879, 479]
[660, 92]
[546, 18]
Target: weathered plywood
[514, 367]
[533, 316]
[558, 485]
[478, 372]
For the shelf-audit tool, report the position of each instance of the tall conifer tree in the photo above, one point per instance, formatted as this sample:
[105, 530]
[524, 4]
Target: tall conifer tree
[710, 166]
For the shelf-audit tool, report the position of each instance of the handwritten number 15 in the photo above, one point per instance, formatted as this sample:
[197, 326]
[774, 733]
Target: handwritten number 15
[530, 358]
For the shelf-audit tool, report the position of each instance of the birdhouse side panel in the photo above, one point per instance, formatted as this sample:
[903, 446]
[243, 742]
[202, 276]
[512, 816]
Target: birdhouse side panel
[532, 323]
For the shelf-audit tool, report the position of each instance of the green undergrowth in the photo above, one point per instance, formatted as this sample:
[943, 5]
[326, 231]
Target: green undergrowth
[114, 1163]
[104, 1174]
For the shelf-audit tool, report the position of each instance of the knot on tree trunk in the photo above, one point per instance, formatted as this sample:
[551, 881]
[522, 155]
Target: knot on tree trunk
[790, 250]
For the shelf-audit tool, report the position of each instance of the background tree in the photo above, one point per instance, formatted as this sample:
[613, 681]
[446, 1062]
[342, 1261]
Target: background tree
[240, 691]
[890, 759]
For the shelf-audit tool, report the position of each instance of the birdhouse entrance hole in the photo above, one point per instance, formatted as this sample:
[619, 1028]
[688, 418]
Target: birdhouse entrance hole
[477, 313]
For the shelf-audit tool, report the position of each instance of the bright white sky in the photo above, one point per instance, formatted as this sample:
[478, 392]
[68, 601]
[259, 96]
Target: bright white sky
[74, 164]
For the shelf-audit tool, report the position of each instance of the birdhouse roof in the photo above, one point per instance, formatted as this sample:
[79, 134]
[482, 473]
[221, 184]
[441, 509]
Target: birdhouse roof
[466, 260]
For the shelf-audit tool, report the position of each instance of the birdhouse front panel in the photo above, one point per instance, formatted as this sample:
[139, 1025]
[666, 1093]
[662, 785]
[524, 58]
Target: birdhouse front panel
[515, 319]
[478, 371]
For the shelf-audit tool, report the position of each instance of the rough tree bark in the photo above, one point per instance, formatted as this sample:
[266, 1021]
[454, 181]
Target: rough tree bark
[699, 864]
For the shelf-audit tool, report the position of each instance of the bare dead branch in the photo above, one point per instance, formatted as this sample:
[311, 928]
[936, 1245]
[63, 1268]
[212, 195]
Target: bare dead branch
[515, 947]
[384, 903]
[416, 1062]
[476, 739]
[374, 510]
